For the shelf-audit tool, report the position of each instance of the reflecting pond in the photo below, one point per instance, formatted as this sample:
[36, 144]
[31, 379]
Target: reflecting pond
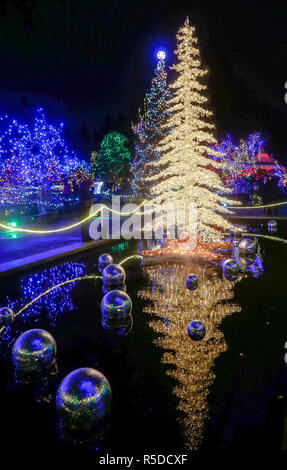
[226, 391]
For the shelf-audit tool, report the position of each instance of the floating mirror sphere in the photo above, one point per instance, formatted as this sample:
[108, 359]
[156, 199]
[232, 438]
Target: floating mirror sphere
[191, 282]
[196, 330]
[83, 399]
[103, 261]
[34, 351]
[272, 226]
[230, 265]
[6, 316]
[113, 275]
[247, 246]
[116, 305]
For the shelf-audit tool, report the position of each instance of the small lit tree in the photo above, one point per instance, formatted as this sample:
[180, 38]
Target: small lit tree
[113, 159]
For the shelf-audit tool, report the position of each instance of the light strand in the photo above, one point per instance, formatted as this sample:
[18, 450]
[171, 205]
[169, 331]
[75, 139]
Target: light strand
[91, 276]
[268, 237]
[68, 227]
[276, 204]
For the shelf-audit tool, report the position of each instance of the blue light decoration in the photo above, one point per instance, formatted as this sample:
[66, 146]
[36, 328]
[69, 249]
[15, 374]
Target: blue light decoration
[56, 301]
[240, 171]
[83, 399]
[35, 154]
[150, 128]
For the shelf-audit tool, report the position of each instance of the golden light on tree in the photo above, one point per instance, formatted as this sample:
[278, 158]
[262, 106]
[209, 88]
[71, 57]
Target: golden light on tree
[187, 173]
[171, 308]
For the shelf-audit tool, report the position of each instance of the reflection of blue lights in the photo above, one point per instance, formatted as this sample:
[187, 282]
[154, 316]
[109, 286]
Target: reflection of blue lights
[36, 344]
[87, 388]
[58, 300]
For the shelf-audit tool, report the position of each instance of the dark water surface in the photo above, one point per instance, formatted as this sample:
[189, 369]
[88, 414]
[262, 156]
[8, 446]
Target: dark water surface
[168, 392]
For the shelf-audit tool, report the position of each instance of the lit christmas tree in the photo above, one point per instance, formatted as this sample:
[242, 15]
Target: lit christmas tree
[150, 129]
[187, 174]
[35, 154]
[113, 159]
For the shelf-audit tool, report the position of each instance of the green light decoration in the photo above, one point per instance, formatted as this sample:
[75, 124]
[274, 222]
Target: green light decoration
[113, 159]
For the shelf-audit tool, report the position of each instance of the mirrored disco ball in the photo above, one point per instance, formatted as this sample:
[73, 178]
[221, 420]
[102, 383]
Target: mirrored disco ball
[83, 399]
[6, 316]
[272, 226]
[191, 282]
[107, 289]
[103, 261]
[247, 246]
[34, 351]
[230, 265]
[116, 305]
[113, 275]
[196, 330]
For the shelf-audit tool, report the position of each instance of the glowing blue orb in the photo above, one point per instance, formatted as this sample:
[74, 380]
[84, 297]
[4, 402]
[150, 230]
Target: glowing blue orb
[34, 351]
[161, 55]
[83, 399]
[6, 316]
[196, 330]
[103, 261]
[247, 246]
[191, 282]
[113, 275]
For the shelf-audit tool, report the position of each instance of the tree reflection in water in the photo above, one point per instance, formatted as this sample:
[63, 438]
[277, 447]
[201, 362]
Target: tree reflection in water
[191, 363]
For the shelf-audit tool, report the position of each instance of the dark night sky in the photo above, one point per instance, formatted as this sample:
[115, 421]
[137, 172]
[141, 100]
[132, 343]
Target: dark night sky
[97, 57]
